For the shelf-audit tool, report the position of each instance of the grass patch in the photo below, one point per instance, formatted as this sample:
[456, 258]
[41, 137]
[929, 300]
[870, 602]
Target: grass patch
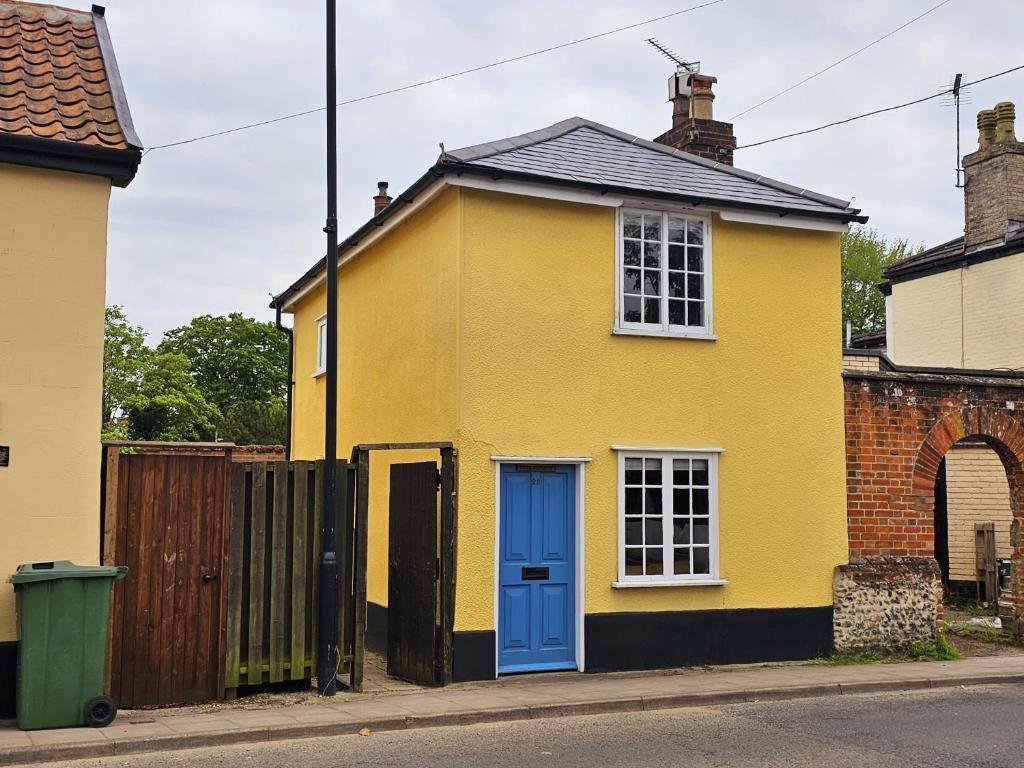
[938, 650]
[984, 634]
[975, 609]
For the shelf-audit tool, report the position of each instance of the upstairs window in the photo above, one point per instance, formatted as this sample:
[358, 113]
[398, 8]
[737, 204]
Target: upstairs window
[321, 346]
[664, 274]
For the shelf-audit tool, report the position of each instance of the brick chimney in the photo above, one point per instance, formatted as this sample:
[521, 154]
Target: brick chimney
[694, 128]
[994, 180]
[382, 199]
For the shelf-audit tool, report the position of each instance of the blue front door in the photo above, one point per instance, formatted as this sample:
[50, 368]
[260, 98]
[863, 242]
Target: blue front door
[536, 568]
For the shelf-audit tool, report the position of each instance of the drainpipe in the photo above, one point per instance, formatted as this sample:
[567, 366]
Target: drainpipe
[291, 381]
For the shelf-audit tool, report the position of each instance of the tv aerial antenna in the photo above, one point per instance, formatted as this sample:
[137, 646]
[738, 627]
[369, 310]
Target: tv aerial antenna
[689, 66]
[958, 94]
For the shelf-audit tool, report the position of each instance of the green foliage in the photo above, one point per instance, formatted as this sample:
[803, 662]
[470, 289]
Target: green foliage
[939, 649]
[215, 377]
[167, 405]
[975, 609]
[865, 253]
[125, 356]
[233, 359]
[255, 423]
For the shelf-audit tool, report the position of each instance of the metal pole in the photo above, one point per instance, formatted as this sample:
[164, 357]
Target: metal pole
[327, 615]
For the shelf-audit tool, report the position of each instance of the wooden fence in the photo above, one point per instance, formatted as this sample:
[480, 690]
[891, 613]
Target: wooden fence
[273, 550]
[223, 562]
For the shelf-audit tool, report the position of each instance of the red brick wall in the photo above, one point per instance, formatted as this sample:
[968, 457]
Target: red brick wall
[898, 428]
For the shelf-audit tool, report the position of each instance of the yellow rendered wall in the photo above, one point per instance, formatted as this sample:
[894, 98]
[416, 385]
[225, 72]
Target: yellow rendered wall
[397, 347]
[976, 492]
[542, 375]
[53, 239]
[930, 329]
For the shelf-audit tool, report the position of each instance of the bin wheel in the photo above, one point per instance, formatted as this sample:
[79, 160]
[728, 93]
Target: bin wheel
[100, 711]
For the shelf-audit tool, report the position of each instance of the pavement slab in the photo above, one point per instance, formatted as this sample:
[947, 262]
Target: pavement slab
[505, 700]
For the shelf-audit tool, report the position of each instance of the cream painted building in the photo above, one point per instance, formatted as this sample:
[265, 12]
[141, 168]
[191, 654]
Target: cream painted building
[66, 137]
[961, 305]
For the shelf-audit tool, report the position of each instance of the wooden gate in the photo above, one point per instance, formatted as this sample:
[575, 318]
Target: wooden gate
[165, 516]
[413, 627]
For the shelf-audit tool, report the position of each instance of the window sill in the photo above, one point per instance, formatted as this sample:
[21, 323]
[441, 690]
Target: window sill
[699, 335]
[318, 374]
[671, 583]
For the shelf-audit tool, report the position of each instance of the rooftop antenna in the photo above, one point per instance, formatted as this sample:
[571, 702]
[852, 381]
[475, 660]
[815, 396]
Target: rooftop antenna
[958, 96]
[688, 66]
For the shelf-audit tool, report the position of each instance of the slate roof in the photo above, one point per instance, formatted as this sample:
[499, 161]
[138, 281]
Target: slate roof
[954, 254]
[934, 256]
[580, 151]
[59, 82]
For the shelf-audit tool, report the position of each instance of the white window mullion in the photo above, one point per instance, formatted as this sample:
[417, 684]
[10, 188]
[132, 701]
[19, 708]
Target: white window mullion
[668, 564]
[664, 272]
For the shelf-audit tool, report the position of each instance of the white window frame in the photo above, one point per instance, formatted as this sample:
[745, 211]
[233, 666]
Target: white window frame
[320, 365]
[621, 327]
[666, 455]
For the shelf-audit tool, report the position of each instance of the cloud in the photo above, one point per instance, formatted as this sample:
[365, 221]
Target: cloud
[215, 226]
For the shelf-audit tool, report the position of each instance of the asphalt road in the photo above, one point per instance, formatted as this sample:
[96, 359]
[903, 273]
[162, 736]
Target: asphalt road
[955, 728]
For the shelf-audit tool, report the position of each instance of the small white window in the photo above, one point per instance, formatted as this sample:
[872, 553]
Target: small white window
[668, 517]
[321, 345]
[664, 274]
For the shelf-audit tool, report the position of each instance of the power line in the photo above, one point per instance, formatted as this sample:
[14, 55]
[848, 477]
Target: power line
[880, 111]
[835, 64]
[440, 78]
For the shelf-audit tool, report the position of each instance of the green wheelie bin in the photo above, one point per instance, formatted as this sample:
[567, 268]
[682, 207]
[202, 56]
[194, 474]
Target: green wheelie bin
[63, 620]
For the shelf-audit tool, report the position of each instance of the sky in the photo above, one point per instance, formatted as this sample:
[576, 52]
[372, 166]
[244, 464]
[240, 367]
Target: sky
[216, 226]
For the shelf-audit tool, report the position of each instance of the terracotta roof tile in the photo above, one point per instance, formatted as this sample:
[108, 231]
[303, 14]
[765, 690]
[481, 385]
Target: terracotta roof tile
[53, 82]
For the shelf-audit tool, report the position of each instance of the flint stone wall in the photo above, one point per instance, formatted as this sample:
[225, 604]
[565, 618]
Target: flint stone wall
[886, 603]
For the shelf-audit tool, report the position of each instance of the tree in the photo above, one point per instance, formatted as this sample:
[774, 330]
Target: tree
[255, 423]
[124, 358]
[167, 404]
[233, 359]
[865, 253]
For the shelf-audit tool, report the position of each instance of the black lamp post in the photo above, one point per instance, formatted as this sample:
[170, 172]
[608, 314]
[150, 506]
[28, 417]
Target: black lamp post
[327, 617]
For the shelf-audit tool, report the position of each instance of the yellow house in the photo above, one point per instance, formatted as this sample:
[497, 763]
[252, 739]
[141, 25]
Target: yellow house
[66, 137]
[645, 478]
[958, 305]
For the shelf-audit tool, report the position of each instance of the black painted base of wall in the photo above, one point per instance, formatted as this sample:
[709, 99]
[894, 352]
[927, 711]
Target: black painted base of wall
[619, 642]
[8, 678]
[631, 641]
[377, 628]
[473, 656]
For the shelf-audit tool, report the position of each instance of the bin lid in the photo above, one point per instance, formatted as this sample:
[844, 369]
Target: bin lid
[64, 569]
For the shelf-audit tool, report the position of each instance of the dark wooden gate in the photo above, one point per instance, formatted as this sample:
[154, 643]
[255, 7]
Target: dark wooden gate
[413, 627]
[165, 515]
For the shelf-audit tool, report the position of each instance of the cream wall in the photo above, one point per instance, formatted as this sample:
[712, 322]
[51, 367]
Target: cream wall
[53, 237]
[929, 327]
[397, 358]
[542, 375]
[976, 492]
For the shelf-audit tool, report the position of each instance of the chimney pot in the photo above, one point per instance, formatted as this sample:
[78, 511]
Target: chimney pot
[382, 199]
[986, 128]
[1004, 113]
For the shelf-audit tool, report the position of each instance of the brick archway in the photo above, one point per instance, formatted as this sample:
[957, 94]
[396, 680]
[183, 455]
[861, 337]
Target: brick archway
[999, 430]
[899, 426]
